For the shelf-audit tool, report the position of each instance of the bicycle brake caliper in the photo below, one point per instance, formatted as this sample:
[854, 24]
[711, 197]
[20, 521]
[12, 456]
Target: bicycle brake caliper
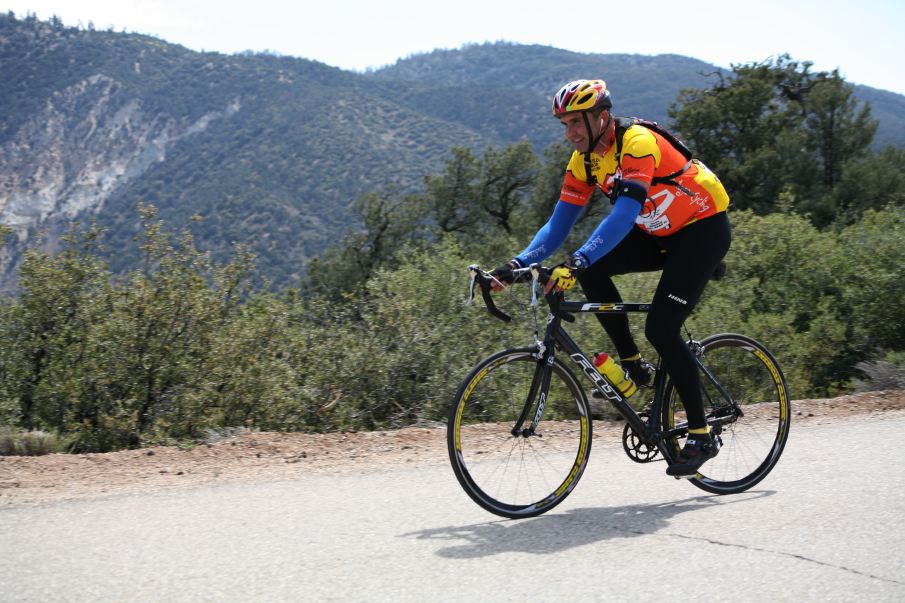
[541, 349]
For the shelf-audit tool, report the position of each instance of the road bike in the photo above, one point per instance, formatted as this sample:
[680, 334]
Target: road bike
[519, 430]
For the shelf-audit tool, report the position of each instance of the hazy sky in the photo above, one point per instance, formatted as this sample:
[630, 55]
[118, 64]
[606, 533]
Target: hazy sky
[863, 39]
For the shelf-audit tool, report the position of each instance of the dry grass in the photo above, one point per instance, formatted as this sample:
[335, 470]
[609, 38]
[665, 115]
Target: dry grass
[30, 443]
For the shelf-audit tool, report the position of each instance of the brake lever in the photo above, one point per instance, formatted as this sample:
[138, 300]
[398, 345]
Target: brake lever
[553, 298]
[478, 277]
[534, 288]
[473, 269]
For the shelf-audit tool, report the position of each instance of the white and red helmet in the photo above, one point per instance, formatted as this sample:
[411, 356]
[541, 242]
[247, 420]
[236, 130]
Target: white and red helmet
[582, 95]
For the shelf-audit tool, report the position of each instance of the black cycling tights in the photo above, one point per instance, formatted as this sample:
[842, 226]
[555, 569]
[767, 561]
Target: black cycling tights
[688, 259]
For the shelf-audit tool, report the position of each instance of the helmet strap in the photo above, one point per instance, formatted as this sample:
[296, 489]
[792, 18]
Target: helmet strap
[592, 143]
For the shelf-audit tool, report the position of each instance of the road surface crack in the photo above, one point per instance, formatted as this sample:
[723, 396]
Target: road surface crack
[770, 551]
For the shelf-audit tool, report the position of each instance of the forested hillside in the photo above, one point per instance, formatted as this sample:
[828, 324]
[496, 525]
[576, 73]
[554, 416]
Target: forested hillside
[267, 151]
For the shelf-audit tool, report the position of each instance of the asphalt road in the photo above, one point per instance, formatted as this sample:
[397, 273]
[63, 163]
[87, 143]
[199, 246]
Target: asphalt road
[827, 525]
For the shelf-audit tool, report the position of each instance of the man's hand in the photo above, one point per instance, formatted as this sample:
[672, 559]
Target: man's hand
[502, 276]
[563, 277]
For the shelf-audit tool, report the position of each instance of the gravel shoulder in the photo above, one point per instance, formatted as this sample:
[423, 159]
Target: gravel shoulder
[274, 456]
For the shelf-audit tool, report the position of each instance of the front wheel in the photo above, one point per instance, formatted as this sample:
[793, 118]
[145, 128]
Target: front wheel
[747, 405]
[505, 466]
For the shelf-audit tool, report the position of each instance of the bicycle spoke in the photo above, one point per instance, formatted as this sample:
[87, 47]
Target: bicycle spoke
[522, 475]
[752, 441]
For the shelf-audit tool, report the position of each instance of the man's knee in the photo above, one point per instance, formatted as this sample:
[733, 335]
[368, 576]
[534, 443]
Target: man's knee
[661, 330]
[654, 333]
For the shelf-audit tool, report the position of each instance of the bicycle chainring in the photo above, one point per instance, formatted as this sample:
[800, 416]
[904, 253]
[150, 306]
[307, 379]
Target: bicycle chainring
[635, 448]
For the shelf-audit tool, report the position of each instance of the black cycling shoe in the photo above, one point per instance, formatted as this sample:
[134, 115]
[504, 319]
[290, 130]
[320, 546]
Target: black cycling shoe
[698, 450]
[640, 370]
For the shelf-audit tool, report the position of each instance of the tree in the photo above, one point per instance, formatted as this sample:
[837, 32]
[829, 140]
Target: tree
[837, 133]
[859, 188]
[506, 180]
[45, 333]
[547, 185]
[389, 221]
[452, 195]
[733, 127]
[112, 364]
[474, 196]
[776, 127]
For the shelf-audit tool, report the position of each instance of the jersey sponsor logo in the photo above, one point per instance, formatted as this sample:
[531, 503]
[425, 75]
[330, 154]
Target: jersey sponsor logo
[702, 201]
[653, 216]
[568, 193]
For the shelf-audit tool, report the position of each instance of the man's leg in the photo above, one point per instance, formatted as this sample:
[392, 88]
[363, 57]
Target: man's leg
[692, 256]
[637, 252]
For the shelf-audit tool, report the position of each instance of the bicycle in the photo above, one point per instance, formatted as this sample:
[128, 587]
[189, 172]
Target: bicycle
[519, 431]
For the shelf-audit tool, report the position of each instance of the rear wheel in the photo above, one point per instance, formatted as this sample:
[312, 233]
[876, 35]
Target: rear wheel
[753, 423]
[516, 472]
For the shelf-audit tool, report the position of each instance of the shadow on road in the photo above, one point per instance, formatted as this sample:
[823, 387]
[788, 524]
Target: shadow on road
[560, 531]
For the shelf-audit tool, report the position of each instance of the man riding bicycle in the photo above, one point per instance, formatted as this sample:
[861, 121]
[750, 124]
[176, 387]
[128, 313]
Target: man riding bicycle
[669, 214]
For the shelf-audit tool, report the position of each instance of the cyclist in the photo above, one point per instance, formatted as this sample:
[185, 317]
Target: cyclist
[668, 214]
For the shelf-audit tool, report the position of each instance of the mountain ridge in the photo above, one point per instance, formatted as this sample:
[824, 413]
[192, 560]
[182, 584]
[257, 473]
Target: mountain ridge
[265, 150]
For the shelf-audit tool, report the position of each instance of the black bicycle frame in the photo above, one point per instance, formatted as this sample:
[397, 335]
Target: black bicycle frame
[560, 310]
[649, 431]
[556, 333]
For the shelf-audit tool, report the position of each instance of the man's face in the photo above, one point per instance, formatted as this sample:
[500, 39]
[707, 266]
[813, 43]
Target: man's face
[576, 131]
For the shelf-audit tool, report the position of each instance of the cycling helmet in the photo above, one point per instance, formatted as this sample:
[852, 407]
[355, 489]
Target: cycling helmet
[582, 95]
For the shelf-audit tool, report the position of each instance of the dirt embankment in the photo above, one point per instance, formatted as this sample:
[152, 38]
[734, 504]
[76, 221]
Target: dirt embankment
[267, 456]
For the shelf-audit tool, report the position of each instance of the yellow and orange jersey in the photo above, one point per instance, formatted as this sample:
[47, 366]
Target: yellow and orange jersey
[692, 195]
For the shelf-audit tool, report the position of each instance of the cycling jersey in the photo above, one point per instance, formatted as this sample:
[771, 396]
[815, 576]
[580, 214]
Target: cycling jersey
[696, 194]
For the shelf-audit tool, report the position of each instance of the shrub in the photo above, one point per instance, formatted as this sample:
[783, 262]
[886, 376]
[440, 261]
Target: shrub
[30, 443]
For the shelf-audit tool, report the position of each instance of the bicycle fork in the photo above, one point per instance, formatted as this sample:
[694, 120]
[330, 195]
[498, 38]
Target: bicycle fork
[540, 387]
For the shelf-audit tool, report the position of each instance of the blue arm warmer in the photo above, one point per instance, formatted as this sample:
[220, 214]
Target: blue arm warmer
[552, 234]
[612, 229]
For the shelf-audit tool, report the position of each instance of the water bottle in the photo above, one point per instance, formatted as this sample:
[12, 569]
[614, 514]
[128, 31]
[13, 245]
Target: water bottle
[615, 373]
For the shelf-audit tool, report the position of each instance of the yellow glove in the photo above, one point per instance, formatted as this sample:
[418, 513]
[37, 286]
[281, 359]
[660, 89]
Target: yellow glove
[561, 279]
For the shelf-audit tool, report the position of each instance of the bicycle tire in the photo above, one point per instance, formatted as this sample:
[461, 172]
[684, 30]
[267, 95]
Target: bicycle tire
[751, 443]
[518, 476]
